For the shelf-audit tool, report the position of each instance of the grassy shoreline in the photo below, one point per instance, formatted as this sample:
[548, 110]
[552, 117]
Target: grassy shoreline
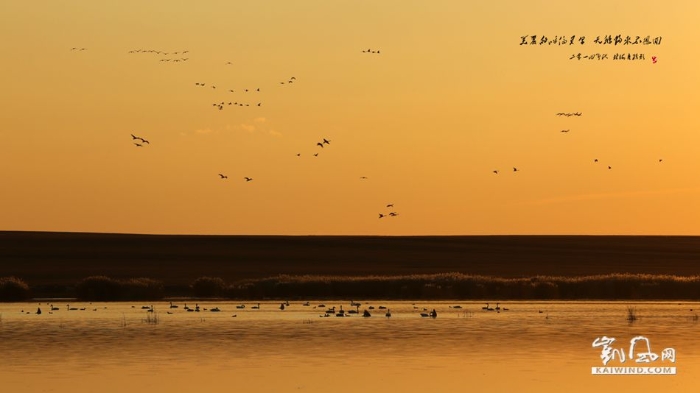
[442, 286]
[421, 267]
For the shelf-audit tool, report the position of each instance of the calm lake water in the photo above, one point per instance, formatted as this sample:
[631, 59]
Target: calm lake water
[531, 347]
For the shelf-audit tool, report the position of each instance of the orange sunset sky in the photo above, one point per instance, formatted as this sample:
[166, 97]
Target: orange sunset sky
[451, 97]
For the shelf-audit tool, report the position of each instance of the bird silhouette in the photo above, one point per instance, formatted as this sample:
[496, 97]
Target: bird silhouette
[315, 154]
[248, 178]
[496, 172]
[138, 144]
[393, 214]
[381, 215]
[596, 160]
[564, 130]
[298, 154]
[515, 169]
[609, 167]
[319, 144]
[326, 141]
[390, 205]
[223, 176]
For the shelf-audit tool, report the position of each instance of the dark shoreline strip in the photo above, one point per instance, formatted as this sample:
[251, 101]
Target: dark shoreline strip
[442, 286]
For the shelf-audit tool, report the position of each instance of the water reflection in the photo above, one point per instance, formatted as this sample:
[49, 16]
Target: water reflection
[287, 350]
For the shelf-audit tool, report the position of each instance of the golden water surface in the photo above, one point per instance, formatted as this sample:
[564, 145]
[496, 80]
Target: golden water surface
[530, 347]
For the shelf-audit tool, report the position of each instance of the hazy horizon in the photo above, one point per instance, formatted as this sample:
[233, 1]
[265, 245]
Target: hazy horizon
[451, 97]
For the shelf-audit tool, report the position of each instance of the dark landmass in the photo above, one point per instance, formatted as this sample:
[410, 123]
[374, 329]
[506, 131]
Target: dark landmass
[62, 259]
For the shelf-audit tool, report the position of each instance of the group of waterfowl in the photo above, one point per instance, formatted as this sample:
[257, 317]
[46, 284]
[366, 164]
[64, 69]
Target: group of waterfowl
[342, 313]
[186, 308]
[497, 309]
[329, 311]
[53, 308]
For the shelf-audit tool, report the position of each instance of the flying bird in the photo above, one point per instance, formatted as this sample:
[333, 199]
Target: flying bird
[326, 141]
[393, 214]
[390, 205]
[138, 144]
[363, 177]
[609, 167]
[515, 169]
[496, 172]
[596, 160]
[381, 215]
[315, 154]
[564, 130]
[319, 144]
[248, 178]
[223, 176]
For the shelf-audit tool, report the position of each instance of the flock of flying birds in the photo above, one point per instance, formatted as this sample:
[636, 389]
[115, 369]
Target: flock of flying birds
[164, 53]
[140, 141]
[138, 138]
[569, 114]
[223, 177]
[390, 214]
[221, 104]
